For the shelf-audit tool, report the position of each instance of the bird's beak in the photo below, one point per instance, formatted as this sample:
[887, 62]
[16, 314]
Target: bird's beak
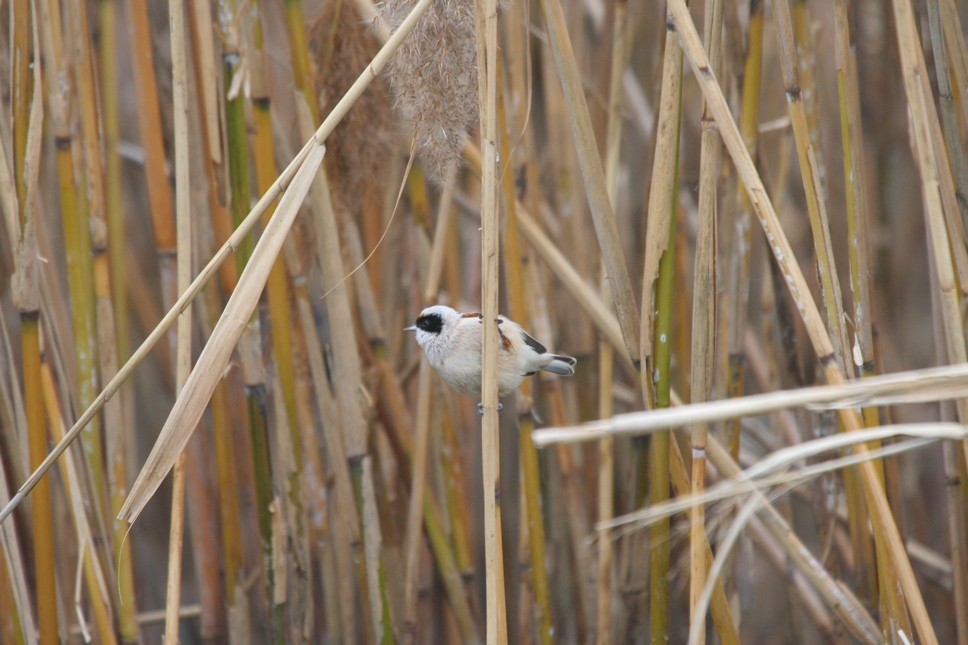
[410, 328]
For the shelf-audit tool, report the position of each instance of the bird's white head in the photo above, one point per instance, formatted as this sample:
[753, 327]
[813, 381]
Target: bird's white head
[434, 323]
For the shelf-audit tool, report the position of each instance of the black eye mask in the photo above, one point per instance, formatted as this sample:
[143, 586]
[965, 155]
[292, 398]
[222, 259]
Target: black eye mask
[431, 323]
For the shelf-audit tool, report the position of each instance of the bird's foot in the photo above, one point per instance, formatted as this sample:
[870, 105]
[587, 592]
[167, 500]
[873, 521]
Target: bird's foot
[480, 408]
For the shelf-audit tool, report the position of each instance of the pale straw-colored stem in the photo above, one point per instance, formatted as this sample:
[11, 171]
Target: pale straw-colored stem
[183, 365]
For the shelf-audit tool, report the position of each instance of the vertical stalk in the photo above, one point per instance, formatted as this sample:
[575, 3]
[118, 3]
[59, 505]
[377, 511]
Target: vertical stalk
[41, 513]
[621, 47]
[112, 312]
[183, 365]
[657, 292]
[486, 29]
[26, 297]
[704, 318]
[518, 310]
[738, 288]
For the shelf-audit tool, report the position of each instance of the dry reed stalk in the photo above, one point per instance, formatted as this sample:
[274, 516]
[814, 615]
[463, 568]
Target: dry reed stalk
[94, 570]
[514, 258]
[844, 603]
[704, 317]
[926, 136]
[345, 527]
[26, 297]
[485, 20]
[955, 464]
[76, 216]
[918, 386]
[810, 169]
[783, 458]
[799, 86]
[656, 331]
[885, 528]
[346, 363]
[719, 606]
[282, 325]
[207, 90]
[862, 351]
[112, 314]
[594, 178]
[738, 271]
[621, 47]
[183, 363]
[951, 25]
[422, 432]
[15, 626]
[150, 128]
[949, 118]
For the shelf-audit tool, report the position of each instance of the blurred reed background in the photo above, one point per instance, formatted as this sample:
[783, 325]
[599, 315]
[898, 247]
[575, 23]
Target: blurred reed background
[332, 486]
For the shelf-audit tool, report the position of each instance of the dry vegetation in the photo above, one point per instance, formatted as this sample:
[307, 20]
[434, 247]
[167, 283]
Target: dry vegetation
[745, 212]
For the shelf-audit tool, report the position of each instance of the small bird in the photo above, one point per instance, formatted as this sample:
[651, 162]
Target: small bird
[452, 342]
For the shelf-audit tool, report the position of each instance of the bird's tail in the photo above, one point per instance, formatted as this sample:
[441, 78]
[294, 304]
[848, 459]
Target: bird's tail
[563, 365]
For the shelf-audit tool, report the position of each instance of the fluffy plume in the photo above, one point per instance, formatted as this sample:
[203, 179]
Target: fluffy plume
[434, 78]
[341, 47]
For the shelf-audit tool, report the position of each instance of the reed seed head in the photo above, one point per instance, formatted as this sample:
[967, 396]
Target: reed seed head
[434, 79]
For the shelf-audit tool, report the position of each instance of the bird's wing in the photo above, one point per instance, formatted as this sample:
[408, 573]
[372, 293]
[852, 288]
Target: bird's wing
[532, 343]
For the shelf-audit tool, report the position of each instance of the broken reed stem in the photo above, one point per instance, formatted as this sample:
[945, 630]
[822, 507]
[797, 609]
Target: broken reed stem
[486, 30]
[703, 355]
[656, 332]
[885, 529]
[183, 362]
